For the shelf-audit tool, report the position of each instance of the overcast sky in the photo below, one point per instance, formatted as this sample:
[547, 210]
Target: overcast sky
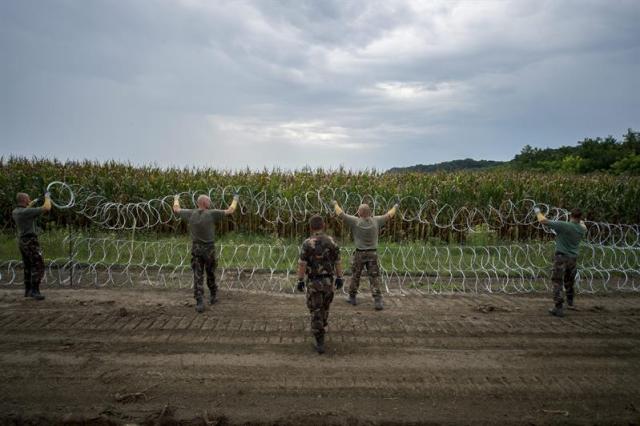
[363, 84]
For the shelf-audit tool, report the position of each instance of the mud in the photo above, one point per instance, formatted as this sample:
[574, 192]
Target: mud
[120, 356]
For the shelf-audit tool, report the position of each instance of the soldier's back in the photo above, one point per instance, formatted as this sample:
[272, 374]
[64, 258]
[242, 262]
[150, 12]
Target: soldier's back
[321, 253]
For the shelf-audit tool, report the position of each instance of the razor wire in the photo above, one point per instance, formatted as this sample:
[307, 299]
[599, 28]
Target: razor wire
[278, 209]
[516, 268]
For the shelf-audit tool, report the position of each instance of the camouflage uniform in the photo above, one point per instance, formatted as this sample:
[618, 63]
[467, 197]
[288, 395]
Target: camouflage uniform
[320, 254]
[365, 259]
[564, 274]
[32, 259]
[33, 262]
[203, 254]
[569, 235]
[365, 236]
[203, 261]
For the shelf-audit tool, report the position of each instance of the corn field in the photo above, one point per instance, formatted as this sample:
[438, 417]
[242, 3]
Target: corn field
[603, 198]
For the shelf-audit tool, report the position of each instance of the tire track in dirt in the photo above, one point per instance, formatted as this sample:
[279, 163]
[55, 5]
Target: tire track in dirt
[453, 358]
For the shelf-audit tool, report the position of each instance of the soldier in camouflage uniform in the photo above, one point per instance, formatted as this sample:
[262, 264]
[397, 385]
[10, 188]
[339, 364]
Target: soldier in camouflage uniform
[203, 257]
[569, 235]
[320, 262]
[365, 229]
[25, 217]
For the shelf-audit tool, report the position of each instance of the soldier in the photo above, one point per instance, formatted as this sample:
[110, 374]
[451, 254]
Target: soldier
[203, 257]
[25, 217]
[320, 261]
[569, 235]
[365, 229]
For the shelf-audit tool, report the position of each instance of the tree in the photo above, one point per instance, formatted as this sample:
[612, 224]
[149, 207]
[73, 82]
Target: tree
[628, 165]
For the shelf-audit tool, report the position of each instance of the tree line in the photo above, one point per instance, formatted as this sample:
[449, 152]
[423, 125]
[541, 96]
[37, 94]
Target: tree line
[608, 155]
[590, 155]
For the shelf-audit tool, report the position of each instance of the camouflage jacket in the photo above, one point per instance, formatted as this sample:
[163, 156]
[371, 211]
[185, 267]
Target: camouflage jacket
[320, 253]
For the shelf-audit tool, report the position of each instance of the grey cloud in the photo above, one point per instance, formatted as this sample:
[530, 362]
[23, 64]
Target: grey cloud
[392, 83]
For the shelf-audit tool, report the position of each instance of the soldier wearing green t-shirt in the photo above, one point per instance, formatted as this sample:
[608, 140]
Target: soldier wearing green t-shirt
[365, 229]
[568, 237]
[203, 257]
[25, 217]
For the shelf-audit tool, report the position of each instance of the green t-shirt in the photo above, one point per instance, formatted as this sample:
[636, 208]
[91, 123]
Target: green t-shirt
[25, 218]
[201, 223]
[569, 235]
[365, 231]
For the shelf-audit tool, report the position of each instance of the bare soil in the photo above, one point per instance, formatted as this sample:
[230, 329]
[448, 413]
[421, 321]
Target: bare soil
[121, 356]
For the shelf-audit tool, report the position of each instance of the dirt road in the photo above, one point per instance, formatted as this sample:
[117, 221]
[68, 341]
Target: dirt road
[117, 356]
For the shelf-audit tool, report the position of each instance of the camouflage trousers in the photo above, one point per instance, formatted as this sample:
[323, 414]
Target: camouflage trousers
[319, 298]
[563, 275]
[360, 261]
[203, 261]
[33, 263]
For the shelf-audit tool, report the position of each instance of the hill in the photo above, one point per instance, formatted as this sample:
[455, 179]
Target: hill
[607, 155]
[448, 166]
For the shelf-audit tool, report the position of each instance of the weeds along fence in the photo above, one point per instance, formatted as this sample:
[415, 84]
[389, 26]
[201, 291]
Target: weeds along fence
[419, 219]
[517, 268]
[610, 260]
[441, 206]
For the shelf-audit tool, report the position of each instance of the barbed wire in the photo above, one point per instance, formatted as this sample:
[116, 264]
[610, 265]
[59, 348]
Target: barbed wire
[517, 268]
[297, 209]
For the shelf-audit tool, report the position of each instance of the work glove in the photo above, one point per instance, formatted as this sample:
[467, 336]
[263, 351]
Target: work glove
[339, 283]
[47, 202]
[236, 196]
[337, 208]
[300, 286]
[536, 210]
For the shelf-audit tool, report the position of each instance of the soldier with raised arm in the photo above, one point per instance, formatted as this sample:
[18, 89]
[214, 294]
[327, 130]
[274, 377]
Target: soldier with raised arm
[320, 262]
[203, 254]
[365, 229]
[568, 237]
[25, 216]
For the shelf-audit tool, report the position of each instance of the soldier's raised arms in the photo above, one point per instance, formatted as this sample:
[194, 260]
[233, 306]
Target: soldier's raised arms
[230, 210]
[543, 219]
[233, 206]
[203, 254]
[540, 216]
[388, 215]
[365, 229]
[392, 212]
[47, 202]
[337, 208]
[25, 216]
[568, 237]
[176, 204]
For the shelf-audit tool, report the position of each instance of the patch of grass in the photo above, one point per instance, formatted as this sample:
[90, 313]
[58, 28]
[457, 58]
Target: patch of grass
[259, 252]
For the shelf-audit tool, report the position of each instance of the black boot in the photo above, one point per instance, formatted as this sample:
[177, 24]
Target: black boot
[320, 344]
[27, 282]
[213, 291]
[378, 303]
[352, 299]
[199, 305]
[570, 304]
[35, 292]
[557, 311]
